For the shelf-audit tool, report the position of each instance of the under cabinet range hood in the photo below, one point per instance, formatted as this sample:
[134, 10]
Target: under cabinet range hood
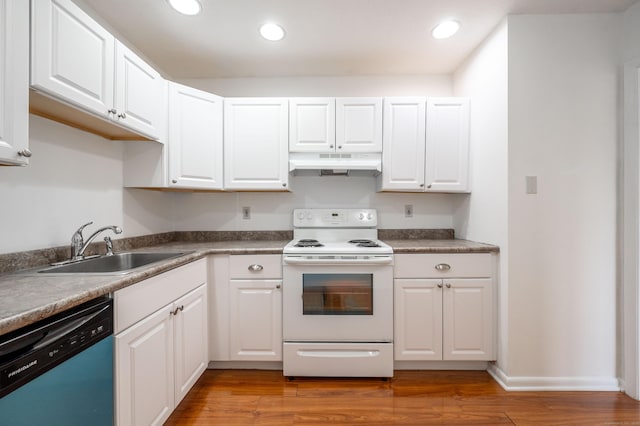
[336, 164]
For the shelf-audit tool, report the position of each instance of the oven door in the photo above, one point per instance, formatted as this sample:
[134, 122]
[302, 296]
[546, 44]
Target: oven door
[342, 302]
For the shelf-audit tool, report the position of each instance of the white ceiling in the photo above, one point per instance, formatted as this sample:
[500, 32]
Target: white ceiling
[324, 37]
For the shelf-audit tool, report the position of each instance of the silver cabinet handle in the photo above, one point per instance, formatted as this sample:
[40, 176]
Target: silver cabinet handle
[422, 185]
[330, 146]
[255, 267]
[443, 267]
[112, 111]
[429, 186]
[284, 185]
[25, 153]
[178, 309]
[123, 115]
[339, 146]
[448, 285]
[439, 285]
[174, 181]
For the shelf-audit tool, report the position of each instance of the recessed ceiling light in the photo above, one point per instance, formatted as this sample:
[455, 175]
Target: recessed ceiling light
[272, 32]
[186, 7]
[445, 29]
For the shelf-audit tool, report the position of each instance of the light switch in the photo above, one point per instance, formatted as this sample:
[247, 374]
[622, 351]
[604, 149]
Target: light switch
[532, 184]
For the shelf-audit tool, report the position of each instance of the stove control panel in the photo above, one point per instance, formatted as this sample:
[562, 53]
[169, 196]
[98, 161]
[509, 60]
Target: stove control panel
[335, 218]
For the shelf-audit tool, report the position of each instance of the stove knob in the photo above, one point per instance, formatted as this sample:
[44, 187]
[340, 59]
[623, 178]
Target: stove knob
[301, 215]
[369, 216]
[362, 216]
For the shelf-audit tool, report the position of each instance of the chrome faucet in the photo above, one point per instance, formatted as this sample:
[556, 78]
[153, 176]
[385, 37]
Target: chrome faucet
[78, 245]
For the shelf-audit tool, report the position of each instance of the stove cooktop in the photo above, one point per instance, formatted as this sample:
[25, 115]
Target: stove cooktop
[360, 246]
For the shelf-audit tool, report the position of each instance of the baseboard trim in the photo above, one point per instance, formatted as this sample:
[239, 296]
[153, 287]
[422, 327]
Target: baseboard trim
[245, 365]
[440, 365]
[522, 383]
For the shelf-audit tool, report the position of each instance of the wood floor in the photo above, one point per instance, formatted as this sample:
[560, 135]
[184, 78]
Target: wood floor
[248, 397]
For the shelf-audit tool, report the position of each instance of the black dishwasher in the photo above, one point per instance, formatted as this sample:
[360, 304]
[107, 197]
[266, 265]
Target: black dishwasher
[59, 371]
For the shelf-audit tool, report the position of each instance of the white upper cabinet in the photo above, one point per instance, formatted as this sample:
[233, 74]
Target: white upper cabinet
[256, 143]
[447, 149]
[312, 125]
[14, 82]
[359, 124]
[195, 138]
[426, 145]
[72, 56]
[326, 125]
[141, 95]
[77, 61]
[403, 144]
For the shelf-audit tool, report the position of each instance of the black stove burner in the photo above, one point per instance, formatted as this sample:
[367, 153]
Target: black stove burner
[308, 243]
[365, 243]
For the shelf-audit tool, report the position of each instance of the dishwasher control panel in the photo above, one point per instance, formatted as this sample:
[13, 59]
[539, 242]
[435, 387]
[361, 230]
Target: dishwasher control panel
[30, 352]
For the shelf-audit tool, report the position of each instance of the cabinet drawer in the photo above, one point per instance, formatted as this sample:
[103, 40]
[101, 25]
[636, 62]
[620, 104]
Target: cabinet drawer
[460, 265]
[139, 300]
[255, 266]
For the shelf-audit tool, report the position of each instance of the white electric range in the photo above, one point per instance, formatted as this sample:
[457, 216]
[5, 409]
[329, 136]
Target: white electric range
[337, 296]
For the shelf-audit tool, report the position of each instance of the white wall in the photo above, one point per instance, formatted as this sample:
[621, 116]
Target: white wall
[273, 210]
[631, 40]
[563, 128]
[418, 85]
[483, 215]
[630, 235]
[73, 177]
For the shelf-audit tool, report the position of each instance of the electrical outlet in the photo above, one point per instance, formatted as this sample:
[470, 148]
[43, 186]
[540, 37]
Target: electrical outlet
[408, 210]
[246, 213]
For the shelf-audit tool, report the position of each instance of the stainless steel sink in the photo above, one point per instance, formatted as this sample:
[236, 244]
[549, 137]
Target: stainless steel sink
[120, 263]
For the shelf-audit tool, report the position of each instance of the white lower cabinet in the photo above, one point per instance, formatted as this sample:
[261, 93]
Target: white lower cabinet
[444, 307]
[255, 320]
[161, 343]
[246, 308]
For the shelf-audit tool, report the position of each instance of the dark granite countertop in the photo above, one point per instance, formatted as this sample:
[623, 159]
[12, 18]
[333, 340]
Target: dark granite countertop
[27, 297]
[439, 246]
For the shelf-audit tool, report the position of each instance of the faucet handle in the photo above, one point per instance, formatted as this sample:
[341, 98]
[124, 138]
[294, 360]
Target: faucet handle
[79, 231]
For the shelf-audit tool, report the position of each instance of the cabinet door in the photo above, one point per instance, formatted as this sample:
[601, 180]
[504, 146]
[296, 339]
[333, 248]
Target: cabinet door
[255, 320]
[359, 124]
[418, 319]
[403, 143]
[256, 143]
[195, 138]
[14, 81]
[144, 370]
[191, 344]
[468, 318]
[312, 125]
[141, 95]
[447, 149]
[71, 56]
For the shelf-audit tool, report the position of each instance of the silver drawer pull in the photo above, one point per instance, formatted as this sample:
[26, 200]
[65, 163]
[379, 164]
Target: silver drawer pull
[255, 267]
[443, 267]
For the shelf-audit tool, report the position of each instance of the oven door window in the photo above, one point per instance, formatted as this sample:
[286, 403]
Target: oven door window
[337, 294]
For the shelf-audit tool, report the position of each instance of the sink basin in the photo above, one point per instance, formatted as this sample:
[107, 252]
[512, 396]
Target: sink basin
[120, 263]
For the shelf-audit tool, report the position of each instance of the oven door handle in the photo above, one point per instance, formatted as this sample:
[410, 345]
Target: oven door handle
[377, 260]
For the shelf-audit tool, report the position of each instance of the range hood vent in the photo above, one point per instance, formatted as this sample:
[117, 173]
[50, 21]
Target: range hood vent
[336, 164]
